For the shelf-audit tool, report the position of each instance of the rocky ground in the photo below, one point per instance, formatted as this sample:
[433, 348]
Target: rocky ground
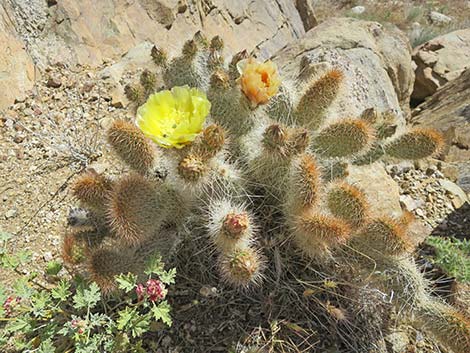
[54, 128]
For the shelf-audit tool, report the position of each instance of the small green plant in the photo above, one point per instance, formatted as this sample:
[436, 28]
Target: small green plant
[453, 256]
[73, 315]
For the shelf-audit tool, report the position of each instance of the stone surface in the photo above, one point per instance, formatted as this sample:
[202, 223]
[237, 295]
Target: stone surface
[439, 61]
[373, 180]
[439, 18]
[375, 60]
[449, 111]
[16, 66]
[89, 32]
[358, 10]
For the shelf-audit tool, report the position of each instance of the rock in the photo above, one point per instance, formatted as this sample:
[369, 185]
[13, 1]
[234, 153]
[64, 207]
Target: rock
[358, 10]
[305, 9]
[54, 82]
[439, 61]
[16, 66]
[439, 18]
[410, 203]
[48, 256]
[118, 98]
[11, 213]
[460, 196]
[373, 180]
[87, 32]
[448, 110]
[51, 2]
[375, 60]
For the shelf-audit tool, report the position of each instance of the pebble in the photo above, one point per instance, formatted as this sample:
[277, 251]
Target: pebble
[358, 10]
[11, 213]
[439, 18]
[54, 82]
[48, 256]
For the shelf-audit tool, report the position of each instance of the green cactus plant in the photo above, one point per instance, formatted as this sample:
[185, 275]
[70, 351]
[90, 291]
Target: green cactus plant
[268, 170]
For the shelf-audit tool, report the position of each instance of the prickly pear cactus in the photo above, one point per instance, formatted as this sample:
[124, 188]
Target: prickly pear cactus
[252, 162]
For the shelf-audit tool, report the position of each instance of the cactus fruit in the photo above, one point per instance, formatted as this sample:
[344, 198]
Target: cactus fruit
[253, 161]
[131, 145]
[241, 267]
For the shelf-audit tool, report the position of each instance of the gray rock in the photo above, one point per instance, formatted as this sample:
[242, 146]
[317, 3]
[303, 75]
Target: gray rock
[439, 61]
[439, 18]
[409, 203]
[448, 110]
[375, 61]
[358, 10]
[11, 213]
[373, 180]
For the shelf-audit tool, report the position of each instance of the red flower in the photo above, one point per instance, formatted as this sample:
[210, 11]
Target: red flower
[155, 290]
[140, 292]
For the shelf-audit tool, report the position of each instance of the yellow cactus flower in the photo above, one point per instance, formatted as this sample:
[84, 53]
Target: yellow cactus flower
[174, 118]
[259, 81]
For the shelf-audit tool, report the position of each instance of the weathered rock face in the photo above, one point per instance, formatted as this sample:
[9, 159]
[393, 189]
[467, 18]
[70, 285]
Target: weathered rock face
[448, 110]
[16, 67]
[439, 61]
[376, 62]
[88, 31]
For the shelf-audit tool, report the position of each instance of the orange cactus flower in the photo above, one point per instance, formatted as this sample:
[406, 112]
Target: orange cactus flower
[259, 81]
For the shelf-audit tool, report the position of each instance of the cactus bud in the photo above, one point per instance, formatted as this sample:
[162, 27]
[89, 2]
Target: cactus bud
[192, 168]
[241, 267]
[92, 189]
[220, 79]
[134, 94]
[201, 39]
[215, 60]
[148, 80]
[299, 140]
[233, 70]
[217, 43]
[189, 48]
[275, 139]
[416, 144]
[369, 115]
[317, 99]
[214, 136]
[159, 56]
[344, 138]
[235, 225]
[131, 145]
[348, 203]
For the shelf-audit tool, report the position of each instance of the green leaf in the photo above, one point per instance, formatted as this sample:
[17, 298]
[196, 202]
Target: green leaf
[46, 346]
[40, 301]
[87, 298]
[22, 288]
[19, 324]
[131, 321]
[126, 282]
[162, 312]
[154, 265]
[61, 292]
[53, 268]
[168, 277]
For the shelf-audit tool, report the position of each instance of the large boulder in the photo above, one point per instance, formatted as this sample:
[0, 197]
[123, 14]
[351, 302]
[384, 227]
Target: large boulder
[16, 66]
[376, 62]
[88, 31]
[448, 110]
[439, 61]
